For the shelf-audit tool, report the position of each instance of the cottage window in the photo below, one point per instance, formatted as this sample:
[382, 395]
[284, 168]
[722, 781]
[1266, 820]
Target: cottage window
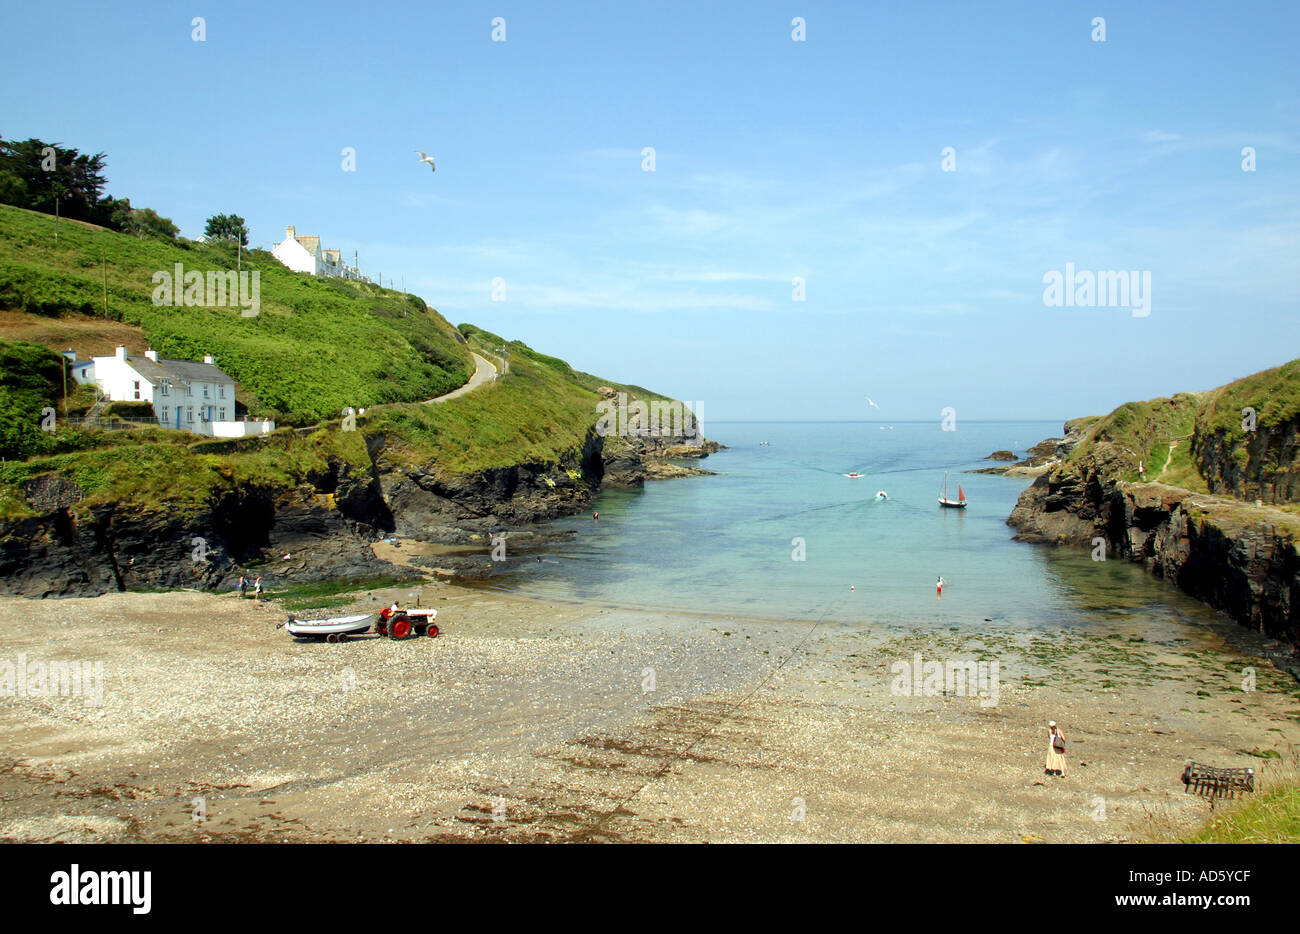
[189, 413]
[189, 389]
[166, 411]
[223, 413]
[137, 389]
[205, 390]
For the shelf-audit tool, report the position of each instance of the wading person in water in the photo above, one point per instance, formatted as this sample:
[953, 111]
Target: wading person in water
[1055, 750]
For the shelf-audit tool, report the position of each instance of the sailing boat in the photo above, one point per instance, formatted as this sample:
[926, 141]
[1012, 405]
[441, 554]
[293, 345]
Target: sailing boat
[958, 503]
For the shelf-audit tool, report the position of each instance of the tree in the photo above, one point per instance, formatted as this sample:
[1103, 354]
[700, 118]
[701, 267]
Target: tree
[33, 174]
[142, 222]
[146, 222]
[226, 227]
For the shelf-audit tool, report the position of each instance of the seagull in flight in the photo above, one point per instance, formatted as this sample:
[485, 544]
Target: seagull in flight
[425, 157]
[872, 403]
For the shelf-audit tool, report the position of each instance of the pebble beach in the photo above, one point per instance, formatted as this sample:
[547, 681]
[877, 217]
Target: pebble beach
[534, 721]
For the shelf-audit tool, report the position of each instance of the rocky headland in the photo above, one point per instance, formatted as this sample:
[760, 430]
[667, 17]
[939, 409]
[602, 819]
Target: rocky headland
[324, 529]
[1202, 495]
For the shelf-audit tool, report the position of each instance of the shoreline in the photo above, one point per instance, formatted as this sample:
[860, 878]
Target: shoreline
[538, 714]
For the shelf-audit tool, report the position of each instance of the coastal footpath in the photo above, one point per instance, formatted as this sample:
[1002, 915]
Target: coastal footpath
[1203, 489]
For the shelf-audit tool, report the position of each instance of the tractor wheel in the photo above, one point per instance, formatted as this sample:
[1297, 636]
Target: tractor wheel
[401, 628]
[432, 631]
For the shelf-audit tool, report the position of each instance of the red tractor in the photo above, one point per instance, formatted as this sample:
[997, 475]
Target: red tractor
[398, 623]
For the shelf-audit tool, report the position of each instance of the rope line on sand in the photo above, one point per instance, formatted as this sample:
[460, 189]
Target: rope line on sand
[663, 770]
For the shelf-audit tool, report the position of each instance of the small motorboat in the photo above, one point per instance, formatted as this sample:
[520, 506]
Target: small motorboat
[332, 629]
[854, 476]
[958, 503]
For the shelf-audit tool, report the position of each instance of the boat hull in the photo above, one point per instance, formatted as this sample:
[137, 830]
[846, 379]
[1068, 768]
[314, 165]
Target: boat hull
[952, 504]
[337, 625]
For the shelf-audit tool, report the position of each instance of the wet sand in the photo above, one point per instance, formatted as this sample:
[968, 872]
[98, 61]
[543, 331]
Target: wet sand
[529, 721]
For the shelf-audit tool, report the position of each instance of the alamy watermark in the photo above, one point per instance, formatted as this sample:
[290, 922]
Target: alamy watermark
[658, 419]
[1106, 288]
[225, 288]
[36, 678]
[962, 677]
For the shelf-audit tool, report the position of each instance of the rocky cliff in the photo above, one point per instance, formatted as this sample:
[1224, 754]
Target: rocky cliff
[320, 529]
[1202, 490]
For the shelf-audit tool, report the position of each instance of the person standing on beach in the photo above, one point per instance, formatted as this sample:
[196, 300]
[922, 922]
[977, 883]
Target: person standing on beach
[257, 590]
[1055, 750]
[243, 586]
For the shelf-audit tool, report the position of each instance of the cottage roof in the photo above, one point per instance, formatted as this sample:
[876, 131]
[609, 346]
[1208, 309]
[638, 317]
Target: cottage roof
[310, 244]
[177, 371]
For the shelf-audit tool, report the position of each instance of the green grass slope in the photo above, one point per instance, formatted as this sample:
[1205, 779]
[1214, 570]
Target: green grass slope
[316, 346]
[541, 412]
[1159, 432]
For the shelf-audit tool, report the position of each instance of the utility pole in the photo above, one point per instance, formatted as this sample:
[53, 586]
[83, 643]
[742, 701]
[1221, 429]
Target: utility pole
[103, 265]
[56, 218]
[65, 384]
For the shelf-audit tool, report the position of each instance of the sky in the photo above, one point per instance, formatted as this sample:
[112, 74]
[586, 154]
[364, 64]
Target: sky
[774, 160]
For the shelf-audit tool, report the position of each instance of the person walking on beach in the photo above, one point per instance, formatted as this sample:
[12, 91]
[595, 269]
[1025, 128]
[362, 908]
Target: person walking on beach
[1055, 750]
[257, 590]
[243, 586]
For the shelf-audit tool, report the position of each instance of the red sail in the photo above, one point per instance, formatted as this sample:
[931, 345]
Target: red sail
[961, 497]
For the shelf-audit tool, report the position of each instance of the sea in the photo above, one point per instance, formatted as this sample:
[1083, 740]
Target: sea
[782, 532]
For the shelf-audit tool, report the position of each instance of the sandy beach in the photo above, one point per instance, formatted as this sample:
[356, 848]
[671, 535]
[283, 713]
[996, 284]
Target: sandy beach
[529, 721]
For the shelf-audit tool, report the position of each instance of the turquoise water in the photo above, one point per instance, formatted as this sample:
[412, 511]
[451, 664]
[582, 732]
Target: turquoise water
[724, 544]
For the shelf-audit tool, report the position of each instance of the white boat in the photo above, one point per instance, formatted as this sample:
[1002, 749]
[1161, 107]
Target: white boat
[332, 628]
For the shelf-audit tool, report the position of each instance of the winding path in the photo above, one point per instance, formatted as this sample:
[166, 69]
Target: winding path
[484, 372]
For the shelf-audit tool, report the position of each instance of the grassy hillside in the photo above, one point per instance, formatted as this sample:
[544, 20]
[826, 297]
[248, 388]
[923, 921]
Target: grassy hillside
[1160, 432]
[540, 412]
[316, 346]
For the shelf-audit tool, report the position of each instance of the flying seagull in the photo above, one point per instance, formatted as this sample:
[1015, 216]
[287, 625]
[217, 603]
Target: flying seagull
[871, 403]
[425, 157]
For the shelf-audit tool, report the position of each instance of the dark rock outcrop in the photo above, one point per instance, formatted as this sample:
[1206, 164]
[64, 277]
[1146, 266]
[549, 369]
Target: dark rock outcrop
[1236, 556]
[321, 529]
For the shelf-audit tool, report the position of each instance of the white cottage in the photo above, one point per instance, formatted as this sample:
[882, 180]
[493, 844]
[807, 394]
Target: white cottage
[185, 395]
[304, 254]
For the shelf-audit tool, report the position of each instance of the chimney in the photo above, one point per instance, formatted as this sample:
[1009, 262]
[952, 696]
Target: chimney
[209, 359]
[152, 355]
[289, 232]
[121, 353]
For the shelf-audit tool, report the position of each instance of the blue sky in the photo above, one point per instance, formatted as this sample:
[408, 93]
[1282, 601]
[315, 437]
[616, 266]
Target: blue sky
[774, 159]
